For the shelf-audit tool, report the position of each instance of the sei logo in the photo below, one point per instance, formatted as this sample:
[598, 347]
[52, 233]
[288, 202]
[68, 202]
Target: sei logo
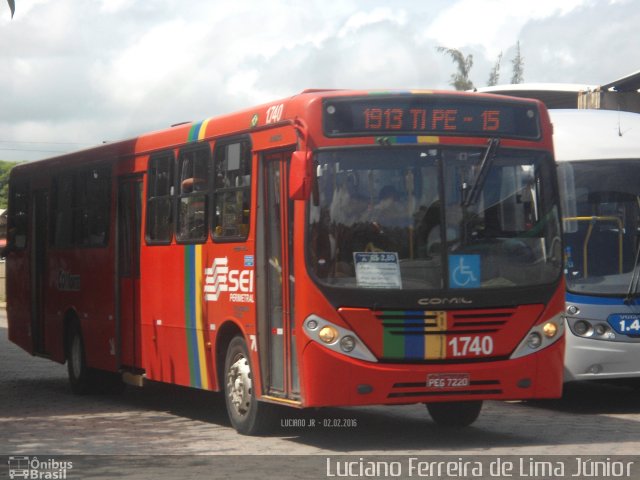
[274, 113]
[220, 278]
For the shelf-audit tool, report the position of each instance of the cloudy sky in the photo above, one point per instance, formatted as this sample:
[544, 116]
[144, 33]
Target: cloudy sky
[77, 73]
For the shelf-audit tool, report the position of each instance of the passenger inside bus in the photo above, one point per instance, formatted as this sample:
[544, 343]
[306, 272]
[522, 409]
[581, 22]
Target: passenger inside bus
[190, 185]
[193, 208]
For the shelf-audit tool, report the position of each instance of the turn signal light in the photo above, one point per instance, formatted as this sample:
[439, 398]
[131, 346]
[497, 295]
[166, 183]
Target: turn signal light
[550, 329]
[328, 334]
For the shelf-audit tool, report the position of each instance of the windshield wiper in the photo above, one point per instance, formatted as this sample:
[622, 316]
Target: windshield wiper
[476, 187]
[632, 292]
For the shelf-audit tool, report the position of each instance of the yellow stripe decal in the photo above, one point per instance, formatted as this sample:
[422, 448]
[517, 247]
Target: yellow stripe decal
[435, 346]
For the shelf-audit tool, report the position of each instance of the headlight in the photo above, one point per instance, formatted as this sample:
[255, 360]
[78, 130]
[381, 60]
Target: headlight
[582, 328]
[601, 329]
[347, 343]
[534, 340]
[587, 329]
[540, 336]
[336, 338]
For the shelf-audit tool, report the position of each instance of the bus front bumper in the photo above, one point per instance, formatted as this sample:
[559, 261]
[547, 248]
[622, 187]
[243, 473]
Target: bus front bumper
[589, 359]
[332, 379]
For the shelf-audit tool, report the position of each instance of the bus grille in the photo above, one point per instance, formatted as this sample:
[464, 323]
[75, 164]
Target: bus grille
[427, 335]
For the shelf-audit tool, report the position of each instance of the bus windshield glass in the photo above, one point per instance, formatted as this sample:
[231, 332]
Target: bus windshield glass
[402, 219]
[602, 235]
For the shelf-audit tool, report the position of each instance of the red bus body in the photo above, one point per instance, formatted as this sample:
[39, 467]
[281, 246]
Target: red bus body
[167, 309]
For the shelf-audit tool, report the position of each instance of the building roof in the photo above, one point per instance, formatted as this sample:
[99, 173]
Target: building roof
[630, 83]
[590, 134]
[553, 95]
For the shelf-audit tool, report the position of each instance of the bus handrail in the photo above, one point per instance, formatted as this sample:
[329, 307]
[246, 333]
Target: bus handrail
[585, 247]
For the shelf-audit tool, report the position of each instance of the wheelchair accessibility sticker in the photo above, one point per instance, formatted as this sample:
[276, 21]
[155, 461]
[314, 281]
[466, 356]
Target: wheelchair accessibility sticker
[464, 271]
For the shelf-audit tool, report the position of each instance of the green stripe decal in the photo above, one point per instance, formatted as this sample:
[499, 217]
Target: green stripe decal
[194, 131]
[393, 346]
[190, 315]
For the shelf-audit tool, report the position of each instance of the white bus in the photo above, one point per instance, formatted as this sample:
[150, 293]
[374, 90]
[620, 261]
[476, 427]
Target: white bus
[598, 155]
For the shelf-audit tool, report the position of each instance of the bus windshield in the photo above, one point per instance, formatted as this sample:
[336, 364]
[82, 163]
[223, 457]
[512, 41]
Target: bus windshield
[404, 219]
[602, 235]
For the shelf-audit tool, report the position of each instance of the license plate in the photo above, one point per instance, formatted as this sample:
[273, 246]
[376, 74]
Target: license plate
[625, 323]
[448, 380]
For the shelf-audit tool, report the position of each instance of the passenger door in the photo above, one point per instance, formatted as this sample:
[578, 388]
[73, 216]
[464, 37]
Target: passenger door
[276, 282]
[38, 253]
[128, 270]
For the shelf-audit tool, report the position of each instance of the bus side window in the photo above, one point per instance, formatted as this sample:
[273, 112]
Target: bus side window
[160, 198]
[193, 188]
[80, 202]
[97, 195]
[17, 221]
[62, 210]
[232, 194]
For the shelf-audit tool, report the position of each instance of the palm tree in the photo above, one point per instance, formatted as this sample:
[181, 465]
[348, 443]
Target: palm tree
[494, 76]
[460, 80]
[518, 66]
[12, 6]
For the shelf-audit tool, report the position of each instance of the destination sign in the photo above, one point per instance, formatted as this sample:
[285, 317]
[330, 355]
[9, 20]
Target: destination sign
[429, 115]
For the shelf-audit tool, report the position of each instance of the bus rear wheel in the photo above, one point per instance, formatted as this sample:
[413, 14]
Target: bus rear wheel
[247, 415]
[81, 377]
[455, 414]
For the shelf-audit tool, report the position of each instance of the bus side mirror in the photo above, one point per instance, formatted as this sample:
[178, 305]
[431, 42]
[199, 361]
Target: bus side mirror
[300, 175]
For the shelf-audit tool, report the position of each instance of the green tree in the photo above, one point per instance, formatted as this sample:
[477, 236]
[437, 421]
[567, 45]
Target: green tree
[5, 168]
[518, 66]
[494, 76]
[460, 80]
[12, 6]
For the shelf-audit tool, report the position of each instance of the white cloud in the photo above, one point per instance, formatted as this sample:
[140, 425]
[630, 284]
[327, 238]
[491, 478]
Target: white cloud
[113, 6]
[378, 15]
[492, 24]
[161, 55]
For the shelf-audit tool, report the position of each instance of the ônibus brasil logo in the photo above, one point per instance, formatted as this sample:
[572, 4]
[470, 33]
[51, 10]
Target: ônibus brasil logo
[33, 468]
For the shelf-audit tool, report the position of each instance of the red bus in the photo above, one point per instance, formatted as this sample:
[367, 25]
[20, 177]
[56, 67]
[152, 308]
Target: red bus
[335, 248]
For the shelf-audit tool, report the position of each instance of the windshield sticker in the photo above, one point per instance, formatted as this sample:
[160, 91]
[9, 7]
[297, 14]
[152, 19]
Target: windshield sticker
[464, 271]
[377, 270]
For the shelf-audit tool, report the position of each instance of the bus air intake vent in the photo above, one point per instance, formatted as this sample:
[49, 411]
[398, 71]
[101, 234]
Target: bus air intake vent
[427, 336]
[415, 390]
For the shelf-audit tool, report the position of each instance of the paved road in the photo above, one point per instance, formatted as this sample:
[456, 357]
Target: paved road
[39, 415]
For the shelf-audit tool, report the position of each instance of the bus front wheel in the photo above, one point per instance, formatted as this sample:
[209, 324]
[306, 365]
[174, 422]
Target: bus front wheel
[455, 414]
[248, 416]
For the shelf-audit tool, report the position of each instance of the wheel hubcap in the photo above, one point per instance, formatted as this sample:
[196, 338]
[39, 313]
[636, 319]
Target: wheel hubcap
[239, 385]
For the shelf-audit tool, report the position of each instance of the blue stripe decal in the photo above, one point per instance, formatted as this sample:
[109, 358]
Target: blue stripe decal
[413, 343]
[190, 314]
[193, 132]
[593, 300]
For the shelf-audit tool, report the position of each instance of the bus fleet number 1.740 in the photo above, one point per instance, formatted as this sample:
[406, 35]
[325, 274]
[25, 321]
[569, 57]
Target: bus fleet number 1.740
[466, 346]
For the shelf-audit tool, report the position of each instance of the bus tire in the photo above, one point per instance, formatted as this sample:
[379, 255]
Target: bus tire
[455, 414]
[80, 376]
[247, 415]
